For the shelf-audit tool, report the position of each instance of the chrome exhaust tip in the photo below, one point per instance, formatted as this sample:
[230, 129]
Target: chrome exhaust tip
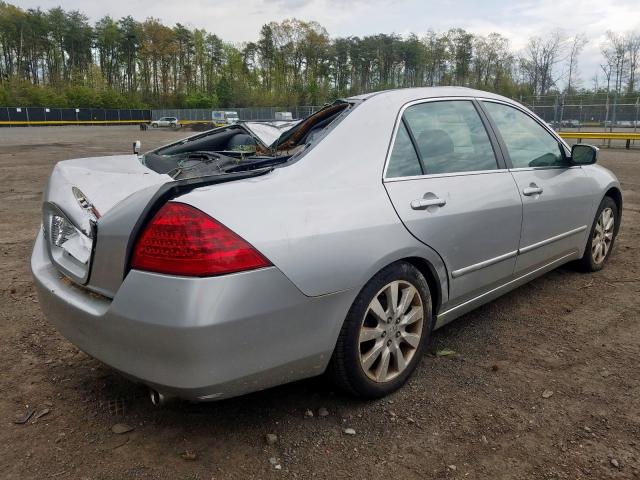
[157, 398]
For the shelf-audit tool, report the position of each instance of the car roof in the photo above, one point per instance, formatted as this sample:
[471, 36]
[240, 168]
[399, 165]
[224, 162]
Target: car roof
[409, 94]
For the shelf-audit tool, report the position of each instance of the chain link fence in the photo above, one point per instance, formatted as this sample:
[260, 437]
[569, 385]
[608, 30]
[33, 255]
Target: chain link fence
[244, 113]
[586, 111]
[27, 116]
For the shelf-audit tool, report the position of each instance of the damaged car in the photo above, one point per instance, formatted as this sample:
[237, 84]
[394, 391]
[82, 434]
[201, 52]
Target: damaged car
[257, 254]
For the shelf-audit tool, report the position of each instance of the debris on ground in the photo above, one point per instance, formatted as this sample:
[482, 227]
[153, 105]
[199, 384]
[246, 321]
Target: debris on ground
[189, 455]
[24, 418]
[547, 393]
[308, 414]
[121, 428]
[349, 431]
[445, 352]
[41, 413]
[271, 438]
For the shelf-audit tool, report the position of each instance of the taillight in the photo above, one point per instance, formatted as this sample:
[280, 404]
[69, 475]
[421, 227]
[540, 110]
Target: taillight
[182, 240]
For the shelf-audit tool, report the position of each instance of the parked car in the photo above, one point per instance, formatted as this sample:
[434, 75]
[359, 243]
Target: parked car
[172, 122]
[337, 246]
[570, 123]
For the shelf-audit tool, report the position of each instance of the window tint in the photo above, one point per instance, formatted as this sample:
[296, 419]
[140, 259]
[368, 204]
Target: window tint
[528, 143]
[404, 160]
[450, 137]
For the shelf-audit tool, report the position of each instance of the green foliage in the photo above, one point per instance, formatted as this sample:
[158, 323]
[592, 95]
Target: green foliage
[57, 58]
[200, 100]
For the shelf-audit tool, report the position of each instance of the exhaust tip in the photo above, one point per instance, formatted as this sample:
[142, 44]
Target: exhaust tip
[157, 399]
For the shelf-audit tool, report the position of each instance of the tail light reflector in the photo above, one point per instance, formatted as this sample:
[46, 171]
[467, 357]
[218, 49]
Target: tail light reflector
[182, 240]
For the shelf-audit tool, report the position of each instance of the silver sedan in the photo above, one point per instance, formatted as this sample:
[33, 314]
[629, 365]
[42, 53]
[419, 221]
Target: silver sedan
[261, 253]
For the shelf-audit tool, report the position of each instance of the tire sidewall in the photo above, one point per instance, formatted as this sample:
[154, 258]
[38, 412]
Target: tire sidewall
[361, 383]
[607, 202]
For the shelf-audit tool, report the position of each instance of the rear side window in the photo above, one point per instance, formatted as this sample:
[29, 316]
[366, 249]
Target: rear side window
[528, 143]
[403, 161]
[450, 137]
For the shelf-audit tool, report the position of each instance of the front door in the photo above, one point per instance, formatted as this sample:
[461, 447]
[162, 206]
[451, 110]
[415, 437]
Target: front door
[555, 195]
[446, 184]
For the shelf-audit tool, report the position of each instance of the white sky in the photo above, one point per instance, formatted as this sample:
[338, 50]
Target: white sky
[240, 20]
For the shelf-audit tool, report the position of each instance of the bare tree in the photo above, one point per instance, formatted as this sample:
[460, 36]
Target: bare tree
[540, 58]
[575, 48]
[615, 52]
[633, 49]
[606, 69]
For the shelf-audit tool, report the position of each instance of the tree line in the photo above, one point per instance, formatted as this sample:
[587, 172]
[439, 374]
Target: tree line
[58, 58]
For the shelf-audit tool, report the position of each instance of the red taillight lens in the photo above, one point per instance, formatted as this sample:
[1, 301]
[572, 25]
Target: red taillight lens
[182, 240]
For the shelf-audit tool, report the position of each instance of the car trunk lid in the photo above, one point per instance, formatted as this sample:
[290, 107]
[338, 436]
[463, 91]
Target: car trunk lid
[118, 195]
[79, 193]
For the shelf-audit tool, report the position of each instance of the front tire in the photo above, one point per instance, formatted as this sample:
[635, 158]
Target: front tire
[385, 333]
[601, 237]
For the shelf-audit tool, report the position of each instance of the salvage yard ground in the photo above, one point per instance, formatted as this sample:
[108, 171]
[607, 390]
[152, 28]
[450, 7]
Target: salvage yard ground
[543, 383]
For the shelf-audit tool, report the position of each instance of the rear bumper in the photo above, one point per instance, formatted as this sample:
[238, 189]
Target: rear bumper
[197, 338]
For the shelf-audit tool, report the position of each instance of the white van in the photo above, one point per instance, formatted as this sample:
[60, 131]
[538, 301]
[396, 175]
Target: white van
[221, 117]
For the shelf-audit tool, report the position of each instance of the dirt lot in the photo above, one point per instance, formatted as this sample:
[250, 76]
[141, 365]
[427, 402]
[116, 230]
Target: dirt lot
[477, 414]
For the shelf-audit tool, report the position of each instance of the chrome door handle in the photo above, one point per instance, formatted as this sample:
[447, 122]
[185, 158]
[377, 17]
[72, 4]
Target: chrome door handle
[532, 190]
[422, 203]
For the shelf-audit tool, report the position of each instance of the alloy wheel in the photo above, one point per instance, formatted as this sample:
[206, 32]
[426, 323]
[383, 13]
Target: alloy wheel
[391, 331]
[602, 236]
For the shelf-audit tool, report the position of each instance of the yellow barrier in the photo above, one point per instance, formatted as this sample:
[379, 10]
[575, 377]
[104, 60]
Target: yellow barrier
[602, 136]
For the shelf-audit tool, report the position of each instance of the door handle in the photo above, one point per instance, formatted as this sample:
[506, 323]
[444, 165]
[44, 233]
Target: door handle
[422, 203]
[532, 189]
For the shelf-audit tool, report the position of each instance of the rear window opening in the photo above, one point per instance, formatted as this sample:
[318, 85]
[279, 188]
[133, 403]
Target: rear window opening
[244, 146]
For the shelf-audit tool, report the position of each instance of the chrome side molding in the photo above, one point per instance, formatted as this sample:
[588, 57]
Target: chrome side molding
[549, 240]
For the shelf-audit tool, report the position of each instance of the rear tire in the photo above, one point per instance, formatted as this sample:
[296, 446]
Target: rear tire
[385, 333]
[602, 236]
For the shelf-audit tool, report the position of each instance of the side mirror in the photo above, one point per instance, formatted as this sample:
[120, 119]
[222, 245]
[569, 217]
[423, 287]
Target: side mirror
[583, 154]
[136, 147]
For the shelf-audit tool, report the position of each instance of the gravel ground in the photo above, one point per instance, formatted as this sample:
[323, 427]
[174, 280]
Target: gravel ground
[486, 411]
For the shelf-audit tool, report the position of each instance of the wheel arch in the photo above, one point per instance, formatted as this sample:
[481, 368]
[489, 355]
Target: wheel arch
[429, 272]
[616, 195]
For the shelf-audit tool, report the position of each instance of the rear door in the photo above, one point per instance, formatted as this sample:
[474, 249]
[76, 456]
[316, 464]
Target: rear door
[555, 194]
[453, 193]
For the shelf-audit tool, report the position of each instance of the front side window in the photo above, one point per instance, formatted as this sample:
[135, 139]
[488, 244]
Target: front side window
[450, 137]
[528, 143]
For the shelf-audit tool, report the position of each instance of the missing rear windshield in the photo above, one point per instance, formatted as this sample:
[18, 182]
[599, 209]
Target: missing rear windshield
[243, 147]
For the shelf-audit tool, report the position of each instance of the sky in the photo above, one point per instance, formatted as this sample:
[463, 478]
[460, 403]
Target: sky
[240, 20]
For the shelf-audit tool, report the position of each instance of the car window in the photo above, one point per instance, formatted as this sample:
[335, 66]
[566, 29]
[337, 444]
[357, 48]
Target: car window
[528, 143]
[450, 136]
[403, 161]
